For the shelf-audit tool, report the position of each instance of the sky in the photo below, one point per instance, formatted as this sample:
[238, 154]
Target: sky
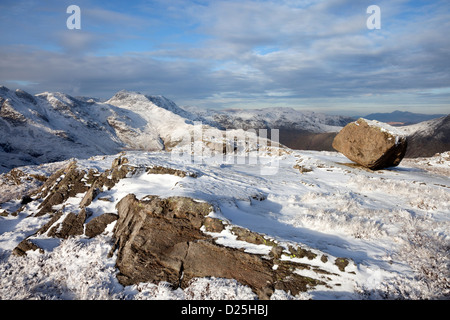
[305, 54]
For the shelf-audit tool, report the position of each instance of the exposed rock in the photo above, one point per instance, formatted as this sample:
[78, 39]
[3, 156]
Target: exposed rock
[71, 181]
[152, 237]
[55, 217]
[63, 184]
[276, 252]
[213, 225]
[171, 171]
[98, 224]
[90, 195]
[250, 236]
[204, 258]
[72, 225]
[301, 253]
[161, 240]
[24, 246]
[341, 263]
[8, 113]
[372, 144]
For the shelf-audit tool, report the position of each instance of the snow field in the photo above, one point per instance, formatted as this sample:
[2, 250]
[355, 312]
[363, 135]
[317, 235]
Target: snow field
[392, 225]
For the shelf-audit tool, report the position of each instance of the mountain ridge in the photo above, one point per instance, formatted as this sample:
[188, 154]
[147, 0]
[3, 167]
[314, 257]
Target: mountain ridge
[402, 118]
[50, 127]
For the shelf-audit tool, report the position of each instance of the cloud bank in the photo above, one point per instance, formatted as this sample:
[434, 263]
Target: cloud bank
[310, 54]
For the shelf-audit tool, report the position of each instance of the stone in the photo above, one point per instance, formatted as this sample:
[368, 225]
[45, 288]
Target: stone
[152, 236]
[63, 184]
[98, 224]
[341, 263]
[171, 171]
[90, 195]
[72, 225]
[24, 246]
[371, 144]
[213, 225]
[160, 240]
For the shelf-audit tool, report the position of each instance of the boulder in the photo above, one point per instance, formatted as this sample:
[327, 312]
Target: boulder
[371, 144]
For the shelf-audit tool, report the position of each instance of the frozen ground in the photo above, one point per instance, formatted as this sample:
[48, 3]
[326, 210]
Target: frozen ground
[394, 226]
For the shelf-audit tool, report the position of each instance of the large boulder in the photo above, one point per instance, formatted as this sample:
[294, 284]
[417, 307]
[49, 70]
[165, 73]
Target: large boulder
[372, 144]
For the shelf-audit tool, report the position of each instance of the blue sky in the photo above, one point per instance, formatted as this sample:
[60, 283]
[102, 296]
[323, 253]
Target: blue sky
[306, 54]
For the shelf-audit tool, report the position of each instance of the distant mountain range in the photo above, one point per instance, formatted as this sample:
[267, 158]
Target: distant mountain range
[426, 134]
[304, 130]
[49, 127]
[402, 118]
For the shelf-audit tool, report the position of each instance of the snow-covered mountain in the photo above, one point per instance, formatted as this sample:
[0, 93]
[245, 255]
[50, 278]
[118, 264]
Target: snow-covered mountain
[55, 126]
[51, 127]
[428, 137]
[283, 118]
[402, 118]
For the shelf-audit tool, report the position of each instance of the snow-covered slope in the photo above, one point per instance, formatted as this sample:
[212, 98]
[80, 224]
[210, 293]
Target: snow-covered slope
[392, 227]
[50, 127]
[157, 122]
[428, 138]
[274, 118]
[55, 126]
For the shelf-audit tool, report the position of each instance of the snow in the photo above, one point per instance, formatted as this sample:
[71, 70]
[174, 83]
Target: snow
[393, 131]
[276, 117]
[393, 225]
[421, 128]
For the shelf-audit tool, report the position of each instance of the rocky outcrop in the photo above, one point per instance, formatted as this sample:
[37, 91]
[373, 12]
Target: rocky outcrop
[63, 184]
[173, 240]
[162, 240]
[24, 246]
[72, 181]
[98, 224]
[372, 144]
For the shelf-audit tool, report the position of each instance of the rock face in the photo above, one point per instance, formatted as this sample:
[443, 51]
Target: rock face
[71, 181]
[162, 240]
[372, 144]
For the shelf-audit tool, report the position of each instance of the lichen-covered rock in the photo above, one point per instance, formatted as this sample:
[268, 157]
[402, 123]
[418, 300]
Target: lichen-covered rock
[371, 144]
[213, 225]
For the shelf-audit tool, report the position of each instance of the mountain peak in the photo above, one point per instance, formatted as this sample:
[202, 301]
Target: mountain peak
[3, 89]
[135, 99]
